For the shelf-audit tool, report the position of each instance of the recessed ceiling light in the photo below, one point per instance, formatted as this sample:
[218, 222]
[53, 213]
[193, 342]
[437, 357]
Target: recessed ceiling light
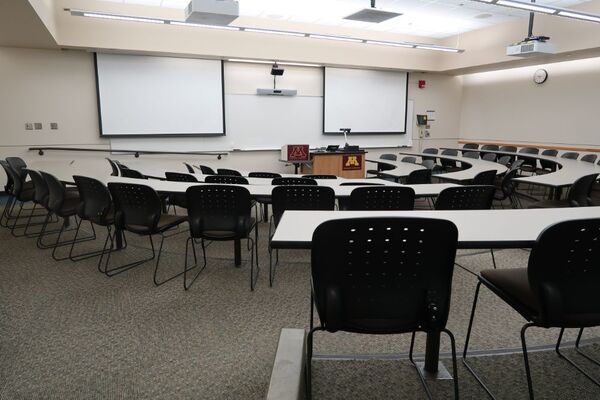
[526, 6]
[123, 18]
[579, 16]
[268, 31]
[339, 38]
[222, 27]
[390, 44]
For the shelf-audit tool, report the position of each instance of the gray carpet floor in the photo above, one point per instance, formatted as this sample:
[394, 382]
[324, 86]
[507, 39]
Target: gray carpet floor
[69, 332]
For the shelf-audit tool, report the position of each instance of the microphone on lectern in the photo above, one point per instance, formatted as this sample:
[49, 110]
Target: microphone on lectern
[345, 131]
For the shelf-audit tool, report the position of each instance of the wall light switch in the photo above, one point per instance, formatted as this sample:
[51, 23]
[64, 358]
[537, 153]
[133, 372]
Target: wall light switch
[53, 125]
[37, 125]
[28, 126]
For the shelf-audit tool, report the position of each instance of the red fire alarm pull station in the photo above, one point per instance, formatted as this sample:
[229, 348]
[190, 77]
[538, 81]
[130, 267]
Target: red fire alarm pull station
[421, 84]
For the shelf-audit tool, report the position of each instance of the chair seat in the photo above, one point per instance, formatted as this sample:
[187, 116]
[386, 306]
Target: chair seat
[165, 222]
[512, 285]
[550, 204]
[249, 223]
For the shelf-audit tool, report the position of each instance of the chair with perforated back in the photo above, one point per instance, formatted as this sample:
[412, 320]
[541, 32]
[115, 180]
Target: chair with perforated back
[264, 200]
[484, 154]
[227, 171]
[484, 178]
[591, 158]
[296, 197]
[489, 157]
[319, 176]
[382, 276]
[558, 289]
[384, 166]
[360, 184]
[449, 165]
[138, 210]
[206, 170]
[579, 195]
[286, 181]
[179, 199]
[419, 177]
[264, 175]
[220, 213]
[382, 198]
[570, 155]
[230, 179]
[132, 173]
[97, 208]
[465, 198]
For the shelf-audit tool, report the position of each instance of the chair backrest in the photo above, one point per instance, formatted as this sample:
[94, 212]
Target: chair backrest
[189, 168]
[448, 163]
[360, 184]
[9, 177]
[180, 177]
[449, 152]
[516, 164]
[466, 198]
[131, 173]
[388, 156]
[491, 157]
[113, 167]
[409, 159]
[264, 175]
[512, 149]
[96, 202]
[382, 198]
[17, 183]
[546, 164]
[507, 186]
[206, 170]
[549, 152]
[18, 164]
[591, 158]
[504, 160]
[231, 179]
[383, 275]
[528, 161]
[485, 178]
[428, 163]
[138, 207]
[121, 165]
[571, 155]
[218, 208]
[490, 147]
[564, 273]
[41, 191]
[56, 192]
[228, 172]
[579, 194]
[471, 154]
[470, 146]
[322, 176]
[429, 150]
[293, 181]
[419, 177]
[296, 197]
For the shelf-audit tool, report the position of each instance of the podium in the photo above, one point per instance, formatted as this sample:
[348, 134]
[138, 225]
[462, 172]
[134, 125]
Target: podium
[347, 164]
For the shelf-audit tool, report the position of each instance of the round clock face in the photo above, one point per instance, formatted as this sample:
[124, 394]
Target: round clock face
[540, 76]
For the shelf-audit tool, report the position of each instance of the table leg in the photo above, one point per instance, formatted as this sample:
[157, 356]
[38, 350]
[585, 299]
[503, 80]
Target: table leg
[119, 238]
[432, 352]
[237, 249]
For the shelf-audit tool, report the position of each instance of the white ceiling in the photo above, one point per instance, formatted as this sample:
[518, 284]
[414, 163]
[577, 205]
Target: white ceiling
[429, 18]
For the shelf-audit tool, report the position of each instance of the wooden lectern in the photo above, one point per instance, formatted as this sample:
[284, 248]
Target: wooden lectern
[347, 164]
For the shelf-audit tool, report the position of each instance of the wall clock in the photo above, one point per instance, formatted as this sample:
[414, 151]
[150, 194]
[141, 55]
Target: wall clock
[540, 76]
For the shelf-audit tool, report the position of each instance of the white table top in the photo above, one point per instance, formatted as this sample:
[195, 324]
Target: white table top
[401, 169]
[476, 228]
[265, 190]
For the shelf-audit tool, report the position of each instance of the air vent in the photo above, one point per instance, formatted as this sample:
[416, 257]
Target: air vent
[372, 15]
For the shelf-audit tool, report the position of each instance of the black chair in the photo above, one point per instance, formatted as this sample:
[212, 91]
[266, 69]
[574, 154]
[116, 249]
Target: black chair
[319, 176]
[97, 208]
[360, 184]
[8, 189]
[382, 276]
[62, 203]
[429, 164]
[507, 190]
[18, 165]
[471, 154]
[493, 147]
[229, 172]
[465, 198]
[113, 166]
[296, 197]
[489, 157]
[529, 164]
[132, 173]
[558, 289]
[509, 149]
[220, 213]
[189, 168]
[591, 158]
[293, 181]
[179, 199]
[449, 165]
[409, 159]
[429, 150]
[383, 166]
[206, 170]
[546, 165]
[484, 178]
[504, 160]
[229, 179]
[138, 210]
[264, 175]
[570, 155]
[579, 195]
[419, 177]
[22, 193]
[469, 146]
[382, 198]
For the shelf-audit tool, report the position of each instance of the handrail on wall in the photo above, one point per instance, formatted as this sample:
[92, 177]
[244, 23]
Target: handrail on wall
[136, 153]
[540, 146]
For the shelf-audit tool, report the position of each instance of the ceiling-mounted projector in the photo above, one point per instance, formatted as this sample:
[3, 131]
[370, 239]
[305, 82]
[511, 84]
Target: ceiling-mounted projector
[372, 15]
[276, 71]
[531, 46]
[212, 12]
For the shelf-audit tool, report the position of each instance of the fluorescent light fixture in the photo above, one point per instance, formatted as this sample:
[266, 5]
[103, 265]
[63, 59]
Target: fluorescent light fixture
[298, 64]
[446, 49]
[123, 18]
[526, 6]
[339, 38]
[577, 15]
[390, 44]
[283, 33]
[227, 28]
[243, 60]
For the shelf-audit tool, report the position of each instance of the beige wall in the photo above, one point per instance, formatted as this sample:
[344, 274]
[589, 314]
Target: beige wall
[508, 106]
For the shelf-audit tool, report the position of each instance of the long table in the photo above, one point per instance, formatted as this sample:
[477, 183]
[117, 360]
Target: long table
[476, 229]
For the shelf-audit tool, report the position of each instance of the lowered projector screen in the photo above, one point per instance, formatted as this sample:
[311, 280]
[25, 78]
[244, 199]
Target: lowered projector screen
[146, 95]
[366, 101]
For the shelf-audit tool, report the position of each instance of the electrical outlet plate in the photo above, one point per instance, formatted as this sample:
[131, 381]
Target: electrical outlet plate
[54, 125]
[28, 126]
[37, 125]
